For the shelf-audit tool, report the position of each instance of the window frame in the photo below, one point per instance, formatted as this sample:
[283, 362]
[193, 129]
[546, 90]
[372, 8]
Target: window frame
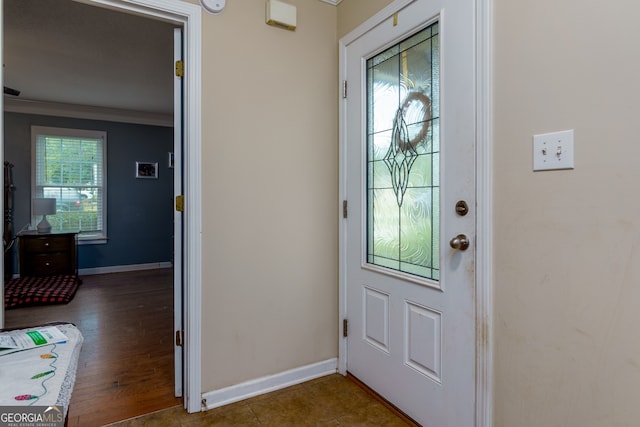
[94, 238]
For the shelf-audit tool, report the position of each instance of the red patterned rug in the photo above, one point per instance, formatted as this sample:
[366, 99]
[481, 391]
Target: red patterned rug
[31, 290]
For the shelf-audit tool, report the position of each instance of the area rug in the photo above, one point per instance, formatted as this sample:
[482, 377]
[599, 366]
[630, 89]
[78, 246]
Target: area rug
[32, 290]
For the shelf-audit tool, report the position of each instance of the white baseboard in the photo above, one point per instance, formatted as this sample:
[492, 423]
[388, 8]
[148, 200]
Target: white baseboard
[119, 268]
[238, 392]
[123, 268]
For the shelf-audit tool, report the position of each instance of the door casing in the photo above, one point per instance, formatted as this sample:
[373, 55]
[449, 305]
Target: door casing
[178, 271]
[484, 197]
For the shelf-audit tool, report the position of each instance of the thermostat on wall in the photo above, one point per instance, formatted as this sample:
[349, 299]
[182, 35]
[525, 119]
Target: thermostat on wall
[281, 14]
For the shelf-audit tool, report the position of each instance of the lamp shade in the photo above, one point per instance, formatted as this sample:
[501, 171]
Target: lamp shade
[44, 206]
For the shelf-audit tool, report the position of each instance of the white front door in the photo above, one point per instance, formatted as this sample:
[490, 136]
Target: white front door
[408, 159]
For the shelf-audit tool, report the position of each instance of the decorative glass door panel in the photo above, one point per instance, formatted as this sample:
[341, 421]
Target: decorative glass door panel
[403, 162]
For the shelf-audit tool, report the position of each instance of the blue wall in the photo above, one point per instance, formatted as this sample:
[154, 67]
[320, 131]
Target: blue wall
[139, 211]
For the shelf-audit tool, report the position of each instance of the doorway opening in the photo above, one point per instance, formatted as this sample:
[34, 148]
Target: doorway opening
[184, 15]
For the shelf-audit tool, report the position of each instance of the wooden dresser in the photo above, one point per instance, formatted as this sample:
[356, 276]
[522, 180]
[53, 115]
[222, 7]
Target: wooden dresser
[44, 254]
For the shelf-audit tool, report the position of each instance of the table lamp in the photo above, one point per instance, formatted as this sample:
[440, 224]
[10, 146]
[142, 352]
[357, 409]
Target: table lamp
[44, 207]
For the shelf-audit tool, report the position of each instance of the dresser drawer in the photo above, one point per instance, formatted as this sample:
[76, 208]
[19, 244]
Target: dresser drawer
[46, 244]
[49, 263]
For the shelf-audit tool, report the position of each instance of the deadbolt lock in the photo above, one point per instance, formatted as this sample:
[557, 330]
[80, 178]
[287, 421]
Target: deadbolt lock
[462, 208]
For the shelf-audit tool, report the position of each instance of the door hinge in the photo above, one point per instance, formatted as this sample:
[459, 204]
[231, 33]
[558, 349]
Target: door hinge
[180, 203]
[178, 338]
[344, 209]
[345, 328]
[344, 88]
[180, 68]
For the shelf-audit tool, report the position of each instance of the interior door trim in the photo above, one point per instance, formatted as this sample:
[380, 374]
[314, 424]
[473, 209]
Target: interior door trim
[484, 213]
[484, 197]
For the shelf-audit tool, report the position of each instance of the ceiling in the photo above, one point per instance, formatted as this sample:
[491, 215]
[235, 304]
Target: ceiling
[67, 52]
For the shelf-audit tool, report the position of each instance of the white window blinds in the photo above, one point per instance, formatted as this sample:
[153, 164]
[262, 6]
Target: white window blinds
[69, 165]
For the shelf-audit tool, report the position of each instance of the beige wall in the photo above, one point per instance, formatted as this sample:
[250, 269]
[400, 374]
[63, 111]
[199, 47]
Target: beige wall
[567, 243]
[270, 178]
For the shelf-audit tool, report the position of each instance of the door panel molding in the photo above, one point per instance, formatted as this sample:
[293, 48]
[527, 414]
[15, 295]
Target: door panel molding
[423, 340]
[376, 318]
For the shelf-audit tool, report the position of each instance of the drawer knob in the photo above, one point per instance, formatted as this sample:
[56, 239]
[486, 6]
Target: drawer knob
[46, 243]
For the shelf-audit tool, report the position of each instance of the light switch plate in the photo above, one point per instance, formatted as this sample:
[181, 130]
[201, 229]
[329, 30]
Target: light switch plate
[553, 150]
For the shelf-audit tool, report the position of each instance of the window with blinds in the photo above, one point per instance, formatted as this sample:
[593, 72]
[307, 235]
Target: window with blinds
[70, 166]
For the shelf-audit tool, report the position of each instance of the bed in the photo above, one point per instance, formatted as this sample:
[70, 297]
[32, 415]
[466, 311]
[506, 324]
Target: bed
[40, 290]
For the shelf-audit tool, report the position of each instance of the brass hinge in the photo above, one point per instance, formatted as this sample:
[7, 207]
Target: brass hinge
[344, 209]
[345, 328]
[180, 68]
[179, 338]
[344, 88]
[180, 203]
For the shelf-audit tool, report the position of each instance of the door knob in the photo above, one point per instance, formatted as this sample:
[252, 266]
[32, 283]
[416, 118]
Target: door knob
[460, 242]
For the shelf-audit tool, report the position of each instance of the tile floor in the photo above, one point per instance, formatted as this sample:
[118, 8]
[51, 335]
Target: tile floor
[328, 401]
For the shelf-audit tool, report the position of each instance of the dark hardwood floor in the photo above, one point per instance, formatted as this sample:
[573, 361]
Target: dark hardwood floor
[126, 363]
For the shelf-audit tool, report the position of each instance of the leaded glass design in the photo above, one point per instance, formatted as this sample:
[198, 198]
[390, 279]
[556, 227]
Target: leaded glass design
[403, 156]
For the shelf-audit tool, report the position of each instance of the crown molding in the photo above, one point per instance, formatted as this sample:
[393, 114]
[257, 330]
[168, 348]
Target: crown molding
[57, 109]
[333, 2]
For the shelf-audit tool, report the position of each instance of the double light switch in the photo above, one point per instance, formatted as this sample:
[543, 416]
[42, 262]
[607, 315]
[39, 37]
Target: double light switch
[553, 151]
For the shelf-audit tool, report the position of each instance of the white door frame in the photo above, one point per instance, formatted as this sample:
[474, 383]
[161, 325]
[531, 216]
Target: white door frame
[178, 271]
[484, 197]
[189, 17]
